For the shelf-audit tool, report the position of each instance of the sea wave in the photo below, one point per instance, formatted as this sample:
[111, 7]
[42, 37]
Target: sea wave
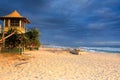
[104, 49]
[55, 46]
[90, 49]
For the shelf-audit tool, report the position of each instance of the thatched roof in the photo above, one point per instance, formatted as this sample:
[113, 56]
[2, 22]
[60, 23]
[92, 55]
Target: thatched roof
[15, 14]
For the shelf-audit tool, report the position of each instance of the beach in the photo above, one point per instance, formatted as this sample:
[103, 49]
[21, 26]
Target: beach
[60, 64]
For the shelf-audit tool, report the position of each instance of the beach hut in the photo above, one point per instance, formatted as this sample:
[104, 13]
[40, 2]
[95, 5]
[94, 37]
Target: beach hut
[14, 20]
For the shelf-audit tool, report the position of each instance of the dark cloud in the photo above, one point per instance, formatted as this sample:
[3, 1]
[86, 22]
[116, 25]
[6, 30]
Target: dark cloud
[70, 20]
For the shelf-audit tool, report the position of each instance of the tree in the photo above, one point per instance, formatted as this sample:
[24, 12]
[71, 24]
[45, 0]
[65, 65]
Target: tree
[29, 39]
[33, 38]
[16, 40]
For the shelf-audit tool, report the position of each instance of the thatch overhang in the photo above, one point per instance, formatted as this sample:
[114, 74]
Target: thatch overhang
[14, 15]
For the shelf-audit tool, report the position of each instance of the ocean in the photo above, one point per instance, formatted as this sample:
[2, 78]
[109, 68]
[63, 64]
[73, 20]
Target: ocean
[76, 37]
[108, 49]
[103, 49]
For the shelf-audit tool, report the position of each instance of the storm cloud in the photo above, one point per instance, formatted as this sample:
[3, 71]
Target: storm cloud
[70, 21]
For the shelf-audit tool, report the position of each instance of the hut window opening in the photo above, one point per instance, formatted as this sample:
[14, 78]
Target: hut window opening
[14, 22]
[6, 23]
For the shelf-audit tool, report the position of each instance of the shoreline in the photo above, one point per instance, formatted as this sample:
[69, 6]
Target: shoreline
[60, 64]
[99, 49]
[81, 48]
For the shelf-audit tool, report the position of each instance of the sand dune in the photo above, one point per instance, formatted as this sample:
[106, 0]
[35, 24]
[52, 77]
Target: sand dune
[59, 64]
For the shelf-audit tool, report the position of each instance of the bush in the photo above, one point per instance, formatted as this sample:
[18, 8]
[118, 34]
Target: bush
[29, 39]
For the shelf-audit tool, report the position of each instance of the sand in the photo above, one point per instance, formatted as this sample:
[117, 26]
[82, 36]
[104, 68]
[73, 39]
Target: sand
[59, 64]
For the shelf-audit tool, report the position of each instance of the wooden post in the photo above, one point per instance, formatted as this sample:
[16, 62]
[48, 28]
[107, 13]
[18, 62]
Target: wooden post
[20, 23]
[8, 22]
[3, 44]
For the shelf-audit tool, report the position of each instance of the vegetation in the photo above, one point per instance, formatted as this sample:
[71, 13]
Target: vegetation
[33, 38]
[13, 41]
[29, 39]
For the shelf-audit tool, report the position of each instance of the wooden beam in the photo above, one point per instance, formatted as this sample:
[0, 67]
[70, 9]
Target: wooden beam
[3, 39]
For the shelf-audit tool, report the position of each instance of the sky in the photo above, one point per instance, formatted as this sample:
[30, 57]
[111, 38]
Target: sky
[70, 22]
